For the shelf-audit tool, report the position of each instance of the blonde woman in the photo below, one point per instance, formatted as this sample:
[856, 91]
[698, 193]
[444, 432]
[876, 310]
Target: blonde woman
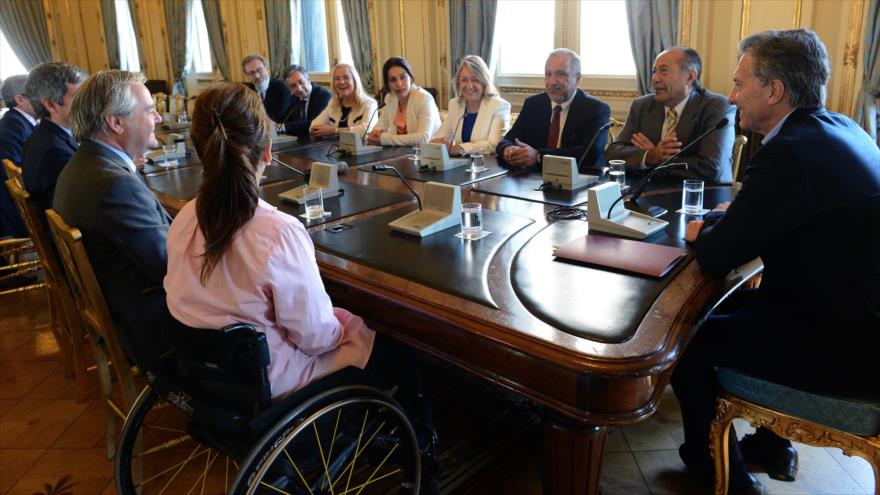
[410, 116]
[350, 108]
[477, 118]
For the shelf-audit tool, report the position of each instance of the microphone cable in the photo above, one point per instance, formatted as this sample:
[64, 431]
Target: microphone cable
[568, 213]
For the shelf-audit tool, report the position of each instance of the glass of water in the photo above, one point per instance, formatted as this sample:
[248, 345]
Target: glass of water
[314, 199]
[476, 163]
[692, 197]
[471, 220]
[617, 172]
[169, 154]
[417, 152]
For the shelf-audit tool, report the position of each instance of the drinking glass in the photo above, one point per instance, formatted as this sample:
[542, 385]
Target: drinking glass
[169, 153]
[314, 202]
[471, 220]
[476, 163]
[692, 197]
[617, 172]
[417, 152]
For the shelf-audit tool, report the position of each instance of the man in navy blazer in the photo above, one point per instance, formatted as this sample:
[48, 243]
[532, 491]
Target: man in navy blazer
[541, 129]
[50, 88]
[16, 127]
[809, 207]
[659, 125]
[123, 225]
[307, 101]
[275, 96]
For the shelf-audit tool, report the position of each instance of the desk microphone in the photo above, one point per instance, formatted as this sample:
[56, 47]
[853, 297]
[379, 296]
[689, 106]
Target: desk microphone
[380, 167]
[292, 169]
[635, 191]
[595, 136]
[370, 121]
[460, 120]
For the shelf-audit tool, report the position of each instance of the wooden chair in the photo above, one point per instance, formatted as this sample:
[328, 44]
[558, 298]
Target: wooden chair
[179, 105]
[96, 316]
[613, 131]
[63, 317]
[14, 249]
[738, 144]
[818, 420]
[161, 100]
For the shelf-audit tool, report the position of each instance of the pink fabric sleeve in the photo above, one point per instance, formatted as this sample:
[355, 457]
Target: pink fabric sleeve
[302, 308]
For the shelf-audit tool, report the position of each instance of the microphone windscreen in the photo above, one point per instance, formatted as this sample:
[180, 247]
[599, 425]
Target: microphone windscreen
[341, 168]
[721, 123]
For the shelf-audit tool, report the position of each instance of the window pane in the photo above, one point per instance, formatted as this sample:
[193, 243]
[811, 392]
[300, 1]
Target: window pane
[309, 32]
[198, 35]
[9, 63]
[344, 43]
[524, 35]
[605, 45]
[128, 53]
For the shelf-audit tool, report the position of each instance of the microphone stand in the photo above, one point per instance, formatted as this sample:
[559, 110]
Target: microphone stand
[370, 121]
[380, 167]
[593, 140]
[291, 168]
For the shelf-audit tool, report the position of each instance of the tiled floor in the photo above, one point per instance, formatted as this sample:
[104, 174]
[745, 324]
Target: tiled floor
[48, 441]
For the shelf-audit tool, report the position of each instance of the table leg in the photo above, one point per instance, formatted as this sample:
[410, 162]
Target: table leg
[572, 456]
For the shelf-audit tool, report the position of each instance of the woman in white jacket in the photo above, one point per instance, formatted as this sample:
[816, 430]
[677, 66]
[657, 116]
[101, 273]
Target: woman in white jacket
[410, 115]
[477, 118]
[350, 109]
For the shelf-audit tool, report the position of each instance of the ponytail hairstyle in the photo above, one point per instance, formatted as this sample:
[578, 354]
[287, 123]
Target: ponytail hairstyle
[230, 130]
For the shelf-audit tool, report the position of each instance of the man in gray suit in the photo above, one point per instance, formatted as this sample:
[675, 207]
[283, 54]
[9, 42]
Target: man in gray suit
[123, 224]
[662, 124]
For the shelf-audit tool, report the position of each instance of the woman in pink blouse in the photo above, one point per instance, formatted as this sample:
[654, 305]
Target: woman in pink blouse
[232, 257]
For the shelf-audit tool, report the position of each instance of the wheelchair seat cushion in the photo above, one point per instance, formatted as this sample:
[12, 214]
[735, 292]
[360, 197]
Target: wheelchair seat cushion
[856, 416]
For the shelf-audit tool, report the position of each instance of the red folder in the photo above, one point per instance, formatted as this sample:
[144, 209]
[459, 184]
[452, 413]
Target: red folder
[624, 254]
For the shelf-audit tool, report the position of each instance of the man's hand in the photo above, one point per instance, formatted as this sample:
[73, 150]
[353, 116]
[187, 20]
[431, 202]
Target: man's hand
[520, 154]
[657, 153]
[722, 206]
[693, 230]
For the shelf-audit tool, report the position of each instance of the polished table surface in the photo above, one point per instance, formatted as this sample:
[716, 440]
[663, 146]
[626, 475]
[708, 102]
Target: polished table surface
[586, 384]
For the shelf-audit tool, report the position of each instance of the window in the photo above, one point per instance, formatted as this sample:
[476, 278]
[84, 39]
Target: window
[200, 47]
[309, 33]
[344, 44]
[596, 29]
[128, 51]
[10, 65]
[605, 46]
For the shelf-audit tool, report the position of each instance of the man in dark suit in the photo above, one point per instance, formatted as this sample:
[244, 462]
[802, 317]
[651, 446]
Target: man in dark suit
[123, 224]
[50, 88]
[307, 102]
[561, 121]
[272, 91]
[808, 207]
[16, 127]
[660, 125]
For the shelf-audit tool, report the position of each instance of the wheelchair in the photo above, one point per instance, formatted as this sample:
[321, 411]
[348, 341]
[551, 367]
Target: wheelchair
[205, 424]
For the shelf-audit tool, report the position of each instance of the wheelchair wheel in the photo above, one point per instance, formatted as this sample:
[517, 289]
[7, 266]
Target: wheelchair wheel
[350, 440]
[157, 455]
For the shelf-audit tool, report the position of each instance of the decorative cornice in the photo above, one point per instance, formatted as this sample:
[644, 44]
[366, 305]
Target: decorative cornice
[609, 93]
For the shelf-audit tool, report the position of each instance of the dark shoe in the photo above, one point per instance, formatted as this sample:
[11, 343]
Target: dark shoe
[777, 458]
[754, 487]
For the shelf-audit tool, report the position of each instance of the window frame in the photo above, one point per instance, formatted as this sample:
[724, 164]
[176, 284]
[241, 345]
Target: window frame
[566, 34]
[334, 52]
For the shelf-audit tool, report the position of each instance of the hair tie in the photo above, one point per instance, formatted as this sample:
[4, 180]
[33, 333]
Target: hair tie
[220, 124]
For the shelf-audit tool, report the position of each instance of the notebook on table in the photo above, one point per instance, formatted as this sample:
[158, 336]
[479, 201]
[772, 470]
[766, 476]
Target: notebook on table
[623, 254]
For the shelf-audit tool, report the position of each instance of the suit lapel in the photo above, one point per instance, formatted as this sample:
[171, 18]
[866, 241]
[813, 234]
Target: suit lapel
[685, 126]
[652, 125]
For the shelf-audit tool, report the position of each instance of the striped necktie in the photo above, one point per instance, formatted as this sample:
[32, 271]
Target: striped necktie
[671, 121]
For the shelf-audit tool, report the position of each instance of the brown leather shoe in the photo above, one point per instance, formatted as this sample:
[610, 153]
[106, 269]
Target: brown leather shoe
[754, 488]
[778, 460]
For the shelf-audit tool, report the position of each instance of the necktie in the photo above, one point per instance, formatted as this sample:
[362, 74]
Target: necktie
[671, 121]
[553, 135]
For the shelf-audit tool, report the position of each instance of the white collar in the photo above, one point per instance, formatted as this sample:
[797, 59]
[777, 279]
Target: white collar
[129, 163]
[30, 119]
[776, 128]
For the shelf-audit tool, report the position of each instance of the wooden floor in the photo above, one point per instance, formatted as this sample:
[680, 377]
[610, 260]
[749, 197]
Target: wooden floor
[489, 438]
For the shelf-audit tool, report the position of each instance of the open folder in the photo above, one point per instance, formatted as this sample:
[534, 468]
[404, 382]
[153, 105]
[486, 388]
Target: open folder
[623, 254]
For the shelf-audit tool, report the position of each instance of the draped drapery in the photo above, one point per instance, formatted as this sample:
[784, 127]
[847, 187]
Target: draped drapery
[214, 24]
[866, 104]
[471, 28]
[132, 12]
[653, 27]
[24, 24]
[111, 34]
[177, 28]
[278, 26]
[357, 23]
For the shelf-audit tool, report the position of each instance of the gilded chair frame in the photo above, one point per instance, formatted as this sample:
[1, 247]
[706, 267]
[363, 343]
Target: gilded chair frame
[14, 248]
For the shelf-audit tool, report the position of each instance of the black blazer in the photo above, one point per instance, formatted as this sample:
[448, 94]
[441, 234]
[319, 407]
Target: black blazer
[277, 99]
[585, 116]
[295, 125]
[810, 208]
[124, 228]
[15, 130]
[45, 155]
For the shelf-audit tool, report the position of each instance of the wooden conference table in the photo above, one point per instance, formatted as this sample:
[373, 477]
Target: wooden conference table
[595, 347]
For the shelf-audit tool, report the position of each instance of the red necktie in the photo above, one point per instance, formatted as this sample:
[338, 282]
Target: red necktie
[553, 136]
